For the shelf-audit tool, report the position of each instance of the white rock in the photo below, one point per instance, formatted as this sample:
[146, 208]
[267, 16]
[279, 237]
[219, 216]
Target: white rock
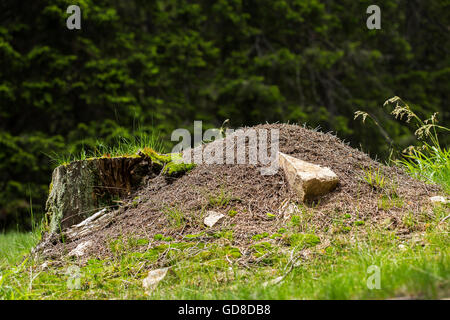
[307, 180]
[212, 218]
[79, 250]
[439, 199]
[153, 278]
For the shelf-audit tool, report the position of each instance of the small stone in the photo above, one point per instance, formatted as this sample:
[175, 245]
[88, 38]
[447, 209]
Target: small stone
[439, 199]
[212, 218]
[306, 179]
[153, 278]
[79, 250]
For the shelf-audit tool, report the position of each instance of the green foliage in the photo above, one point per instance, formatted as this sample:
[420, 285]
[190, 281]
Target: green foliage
[153, 66]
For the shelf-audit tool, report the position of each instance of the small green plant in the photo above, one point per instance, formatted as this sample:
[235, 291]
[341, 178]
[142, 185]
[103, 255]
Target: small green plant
[160, 237]
[260, 236]
[136, 242]
[222, 199]
[374, 178]
[232, 213]
[233, 252]
[175, 216]
[303, 240]
[261, 249]
[194, 236]
[270, 216]
[225, 234]
[117, 246]
[295, 221]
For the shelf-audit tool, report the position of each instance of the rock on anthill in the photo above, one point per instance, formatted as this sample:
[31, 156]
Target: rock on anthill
[307, 180]
[212, 218]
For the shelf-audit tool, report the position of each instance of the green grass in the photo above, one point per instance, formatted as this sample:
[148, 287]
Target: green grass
[375, 178]
[427, 161]
[175, 216]
[432, 164]
[122, 147]
[15, 245]
[221, 199]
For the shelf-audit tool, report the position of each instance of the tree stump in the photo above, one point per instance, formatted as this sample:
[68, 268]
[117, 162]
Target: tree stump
[82, 188]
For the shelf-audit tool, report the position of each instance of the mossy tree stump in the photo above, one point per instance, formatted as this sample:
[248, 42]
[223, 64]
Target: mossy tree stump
[82, 188]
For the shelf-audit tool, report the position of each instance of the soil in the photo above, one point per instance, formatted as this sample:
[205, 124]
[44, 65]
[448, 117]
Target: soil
[253, 195]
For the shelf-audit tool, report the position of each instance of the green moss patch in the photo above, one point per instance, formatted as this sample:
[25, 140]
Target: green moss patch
[172, 163]
[304, 240]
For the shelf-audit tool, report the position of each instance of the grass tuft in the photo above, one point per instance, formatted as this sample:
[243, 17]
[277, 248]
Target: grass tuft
[122, 147]
[428, 161]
